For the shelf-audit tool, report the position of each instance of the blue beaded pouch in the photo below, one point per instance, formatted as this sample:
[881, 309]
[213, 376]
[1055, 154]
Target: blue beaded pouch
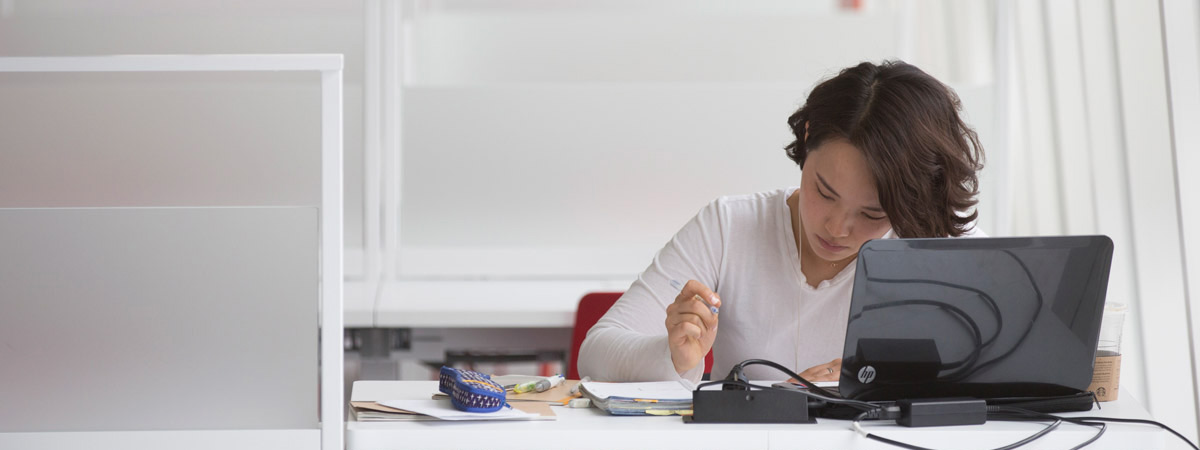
[471, 391]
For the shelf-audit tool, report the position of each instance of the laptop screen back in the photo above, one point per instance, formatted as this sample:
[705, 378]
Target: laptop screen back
[979, 317]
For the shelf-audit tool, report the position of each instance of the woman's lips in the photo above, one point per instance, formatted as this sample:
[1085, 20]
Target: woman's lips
[830, 247]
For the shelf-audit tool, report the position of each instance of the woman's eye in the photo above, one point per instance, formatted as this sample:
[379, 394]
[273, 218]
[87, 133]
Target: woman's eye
[822, 194]
[873, 217]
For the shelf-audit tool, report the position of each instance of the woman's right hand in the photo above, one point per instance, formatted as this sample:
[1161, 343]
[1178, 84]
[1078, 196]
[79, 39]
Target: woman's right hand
[691, 326]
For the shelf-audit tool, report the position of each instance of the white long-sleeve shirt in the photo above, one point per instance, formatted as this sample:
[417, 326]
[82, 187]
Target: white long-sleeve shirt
[743, 248]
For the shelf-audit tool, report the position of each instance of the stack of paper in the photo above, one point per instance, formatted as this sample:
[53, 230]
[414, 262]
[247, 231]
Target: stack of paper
[403, 410]
[374, 412]
[445, 411]
[652, 398]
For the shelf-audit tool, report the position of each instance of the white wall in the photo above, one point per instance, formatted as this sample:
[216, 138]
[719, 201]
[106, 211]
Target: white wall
[542, 143]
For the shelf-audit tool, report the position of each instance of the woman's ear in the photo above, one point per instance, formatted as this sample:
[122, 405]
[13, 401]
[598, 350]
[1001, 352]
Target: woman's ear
[806, 131]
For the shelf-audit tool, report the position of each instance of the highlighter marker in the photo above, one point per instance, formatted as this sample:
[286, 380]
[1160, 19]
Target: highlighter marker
[541, 385]
[526, 387]
[679, 286]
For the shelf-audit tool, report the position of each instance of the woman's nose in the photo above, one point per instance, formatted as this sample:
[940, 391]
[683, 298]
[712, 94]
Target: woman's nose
[837, 226]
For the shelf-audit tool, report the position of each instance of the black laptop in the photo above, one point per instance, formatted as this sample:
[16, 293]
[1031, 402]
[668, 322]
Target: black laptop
[975, 317]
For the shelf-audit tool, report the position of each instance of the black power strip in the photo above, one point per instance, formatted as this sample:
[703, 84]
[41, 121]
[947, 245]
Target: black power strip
[749, 406]
[942, 412]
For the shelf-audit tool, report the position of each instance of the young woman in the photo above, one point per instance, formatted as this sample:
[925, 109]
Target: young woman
[883, 154]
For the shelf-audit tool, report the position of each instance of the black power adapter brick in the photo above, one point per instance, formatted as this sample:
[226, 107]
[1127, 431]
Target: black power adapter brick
[936, 412]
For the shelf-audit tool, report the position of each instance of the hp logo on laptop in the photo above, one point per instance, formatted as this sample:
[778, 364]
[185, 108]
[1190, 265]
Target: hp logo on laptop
[866, 374]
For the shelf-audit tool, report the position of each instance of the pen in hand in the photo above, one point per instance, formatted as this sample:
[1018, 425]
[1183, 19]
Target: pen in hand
[677, 285]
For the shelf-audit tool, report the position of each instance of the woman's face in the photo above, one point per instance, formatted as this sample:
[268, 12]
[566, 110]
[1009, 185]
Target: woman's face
[839, 204]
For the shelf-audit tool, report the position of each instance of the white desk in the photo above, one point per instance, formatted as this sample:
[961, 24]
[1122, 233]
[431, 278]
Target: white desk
[593, 429]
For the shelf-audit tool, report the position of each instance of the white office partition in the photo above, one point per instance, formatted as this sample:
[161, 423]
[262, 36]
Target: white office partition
[118, 319]
[328, 260]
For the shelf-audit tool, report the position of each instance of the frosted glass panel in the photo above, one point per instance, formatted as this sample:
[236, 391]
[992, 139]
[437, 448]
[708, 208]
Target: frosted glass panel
[160, 139]
[86, 27]
[158, 319]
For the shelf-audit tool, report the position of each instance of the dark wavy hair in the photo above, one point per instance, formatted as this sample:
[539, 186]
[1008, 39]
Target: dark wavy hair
[923, 157]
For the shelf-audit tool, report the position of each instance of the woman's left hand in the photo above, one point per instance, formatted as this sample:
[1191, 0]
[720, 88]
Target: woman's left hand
[829, 371]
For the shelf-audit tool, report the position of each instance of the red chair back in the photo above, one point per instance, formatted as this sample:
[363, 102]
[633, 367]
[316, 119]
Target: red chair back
[591, 308]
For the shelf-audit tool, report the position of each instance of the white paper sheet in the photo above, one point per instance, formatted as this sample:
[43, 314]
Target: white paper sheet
[442, 409]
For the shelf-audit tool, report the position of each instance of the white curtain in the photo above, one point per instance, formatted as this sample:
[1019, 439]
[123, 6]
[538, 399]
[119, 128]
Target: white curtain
[1091, 152]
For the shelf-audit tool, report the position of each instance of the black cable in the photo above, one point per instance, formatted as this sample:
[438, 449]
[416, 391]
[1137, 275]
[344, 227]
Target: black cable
[1011, 446]
[1033, 437]
[1141, 421]
[1100, 426]
[967, 371]
[736, 374]
[966, 363]
[1017, 414]
[872, 411]
[966, 318]
[1103, 427]
[1041, 302]
[991, 302]
[1091, 421]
